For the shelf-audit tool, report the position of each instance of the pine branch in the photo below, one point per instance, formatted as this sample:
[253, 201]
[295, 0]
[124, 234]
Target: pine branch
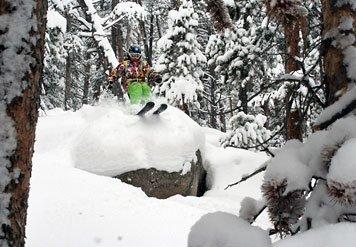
[244, 178]
[348, 109]
[259, 213]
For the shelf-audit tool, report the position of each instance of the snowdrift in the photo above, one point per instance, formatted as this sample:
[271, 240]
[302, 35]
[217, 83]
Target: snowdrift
[221, 229]
[116, 141]
[341, 234]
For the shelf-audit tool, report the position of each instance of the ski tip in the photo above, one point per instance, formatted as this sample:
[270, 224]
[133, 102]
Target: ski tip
[150, 103]
[161, 109]
[148, 106]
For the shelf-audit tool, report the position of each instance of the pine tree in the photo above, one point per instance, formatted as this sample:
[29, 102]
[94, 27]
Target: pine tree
[52, 93]
[181, 60]
[246, 131]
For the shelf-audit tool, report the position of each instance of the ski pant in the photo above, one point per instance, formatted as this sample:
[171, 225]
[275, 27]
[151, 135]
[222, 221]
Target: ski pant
[139, 92]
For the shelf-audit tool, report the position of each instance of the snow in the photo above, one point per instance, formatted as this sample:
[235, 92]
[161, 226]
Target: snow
[343, 164]
[131, 11]
[72, 207]
[230, 3]
[99, 34]
[246, 130]
[352, 3]
[341, 234]
[55, 19]
[222, 229]
[288, 165]
[250, 208]
[15, 65]
[338, 106]
[8, 145]
[350, 61]
[181, 61]
[115, 141]
[327, 155]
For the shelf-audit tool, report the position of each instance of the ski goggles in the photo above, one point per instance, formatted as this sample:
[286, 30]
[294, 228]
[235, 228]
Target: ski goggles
[135, 55]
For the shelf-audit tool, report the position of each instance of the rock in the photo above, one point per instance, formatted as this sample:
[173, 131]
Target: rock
[162, 184]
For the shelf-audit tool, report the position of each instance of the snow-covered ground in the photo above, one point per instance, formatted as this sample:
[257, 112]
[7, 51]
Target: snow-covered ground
[69, 206]
[72, 207]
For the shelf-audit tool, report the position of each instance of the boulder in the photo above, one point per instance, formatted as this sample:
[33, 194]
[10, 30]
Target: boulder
[163, 184]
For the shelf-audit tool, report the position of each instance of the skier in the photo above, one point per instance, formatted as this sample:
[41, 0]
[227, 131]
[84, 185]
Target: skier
[137, 77]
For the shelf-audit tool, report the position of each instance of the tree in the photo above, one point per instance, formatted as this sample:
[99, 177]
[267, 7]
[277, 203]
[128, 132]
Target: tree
[339, 31]
[307, 185]
[21, 73]
[246, 131]
[181, 60]
[291, 14]
[52, 93]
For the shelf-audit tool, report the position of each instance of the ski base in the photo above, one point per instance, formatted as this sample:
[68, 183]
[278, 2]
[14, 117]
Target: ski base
[160, 109]
[146, 108]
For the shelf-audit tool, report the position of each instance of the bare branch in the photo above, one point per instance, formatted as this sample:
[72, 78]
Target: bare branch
[244, 178]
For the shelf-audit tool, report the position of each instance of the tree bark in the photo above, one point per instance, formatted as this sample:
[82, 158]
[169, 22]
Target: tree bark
[150, 44]
[335, 78]
[117, 40]
[86, 80]
[291, 31]
[23, 112]
[68, 75]
[220, 14]
[158, 27]
[175, 4]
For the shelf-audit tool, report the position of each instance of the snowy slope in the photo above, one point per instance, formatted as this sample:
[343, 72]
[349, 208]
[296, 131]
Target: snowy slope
[71, 207]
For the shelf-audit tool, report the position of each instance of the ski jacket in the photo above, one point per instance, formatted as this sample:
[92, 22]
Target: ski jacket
[133, 71]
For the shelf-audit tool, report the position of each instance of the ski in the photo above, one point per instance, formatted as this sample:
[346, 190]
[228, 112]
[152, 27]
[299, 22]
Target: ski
[160, 109]
[146, 108]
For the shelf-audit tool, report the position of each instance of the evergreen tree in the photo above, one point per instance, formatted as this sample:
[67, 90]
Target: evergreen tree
[52, 94]
[246, 131]
[181, 60]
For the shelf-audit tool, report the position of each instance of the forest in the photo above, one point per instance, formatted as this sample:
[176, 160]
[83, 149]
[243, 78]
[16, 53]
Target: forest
[247, 127]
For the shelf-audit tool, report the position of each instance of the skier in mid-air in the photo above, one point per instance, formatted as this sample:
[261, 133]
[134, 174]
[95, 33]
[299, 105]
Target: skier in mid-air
[137, 78]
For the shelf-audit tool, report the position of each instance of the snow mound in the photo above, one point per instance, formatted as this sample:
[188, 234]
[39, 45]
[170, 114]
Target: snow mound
[222, 229]
[343, 164]
[116, 141]
[341, 234]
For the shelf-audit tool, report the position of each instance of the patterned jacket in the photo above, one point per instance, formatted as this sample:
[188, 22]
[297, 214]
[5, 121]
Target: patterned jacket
[133, 71]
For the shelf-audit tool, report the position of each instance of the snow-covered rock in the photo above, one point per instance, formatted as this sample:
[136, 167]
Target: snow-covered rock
[116, 141]
[222, 229]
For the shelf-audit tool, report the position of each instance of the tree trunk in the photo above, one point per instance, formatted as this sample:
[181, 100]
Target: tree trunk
[86, 80]
[292, 30]
[219, 14]
[68, 75]
[158, 27]
[117, 40]
[68, 84]
[243, 97]
[335, 78]
[18, 112]
[150, 44]
[176, 4]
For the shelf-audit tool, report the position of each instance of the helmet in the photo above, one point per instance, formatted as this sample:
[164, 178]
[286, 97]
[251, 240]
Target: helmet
[135, 51]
